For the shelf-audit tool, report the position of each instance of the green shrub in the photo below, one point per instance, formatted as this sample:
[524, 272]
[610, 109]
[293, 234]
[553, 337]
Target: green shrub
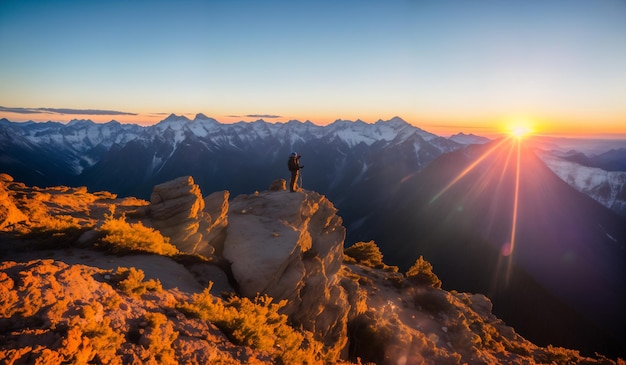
[257, 323]
[130, 281]
[365, 253]
[421, 273]
[121, 236]
[104, 341]
[158, 338]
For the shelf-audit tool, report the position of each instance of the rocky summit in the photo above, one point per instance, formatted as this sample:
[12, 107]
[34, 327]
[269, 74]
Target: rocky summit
[290, 246]
[262, 278]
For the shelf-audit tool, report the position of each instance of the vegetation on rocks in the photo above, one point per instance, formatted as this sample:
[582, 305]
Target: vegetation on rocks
[73, 310]
[421, 273]
[368, 254]
[121, 236]
[257, 323]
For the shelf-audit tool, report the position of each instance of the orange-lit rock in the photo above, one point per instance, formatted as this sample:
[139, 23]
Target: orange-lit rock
[290, 246]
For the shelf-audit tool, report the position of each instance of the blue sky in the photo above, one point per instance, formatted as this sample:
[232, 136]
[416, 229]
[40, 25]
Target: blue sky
[441, 65]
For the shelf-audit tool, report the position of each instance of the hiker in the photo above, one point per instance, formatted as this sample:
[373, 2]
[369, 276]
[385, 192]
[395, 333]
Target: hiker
[294, 167]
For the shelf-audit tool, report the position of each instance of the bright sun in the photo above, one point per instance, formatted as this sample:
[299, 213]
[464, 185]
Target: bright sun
[520, 129]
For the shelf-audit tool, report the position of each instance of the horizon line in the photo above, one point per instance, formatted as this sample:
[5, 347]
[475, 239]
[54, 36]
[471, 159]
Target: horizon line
[488, 132]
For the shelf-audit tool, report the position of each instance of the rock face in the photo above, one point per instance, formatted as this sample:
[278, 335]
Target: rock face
[177, 210]
[9, 212]
[67, 304]
[290, 246]
[54, 313]
[215, 219]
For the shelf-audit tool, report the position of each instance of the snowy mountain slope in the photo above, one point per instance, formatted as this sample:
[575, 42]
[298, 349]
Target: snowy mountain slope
[246, 153]
[80, 141]
[606, 187]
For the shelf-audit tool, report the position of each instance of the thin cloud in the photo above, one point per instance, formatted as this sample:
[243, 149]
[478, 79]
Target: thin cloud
[268, 116]
[63, 111]
[19, 110]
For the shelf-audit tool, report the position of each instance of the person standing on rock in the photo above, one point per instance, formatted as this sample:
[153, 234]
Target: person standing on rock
[294, 167]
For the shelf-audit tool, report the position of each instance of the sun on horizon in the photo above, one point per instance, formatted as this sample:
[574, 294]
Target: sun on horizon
[520, 129]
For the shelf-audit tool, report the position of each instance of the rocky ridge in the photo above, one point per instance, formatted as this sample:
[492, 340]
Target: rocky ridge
[64, 299]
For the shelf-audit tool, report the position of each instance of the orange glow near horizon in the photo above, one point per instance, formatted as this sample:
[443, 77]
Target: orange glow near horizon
[489, 127]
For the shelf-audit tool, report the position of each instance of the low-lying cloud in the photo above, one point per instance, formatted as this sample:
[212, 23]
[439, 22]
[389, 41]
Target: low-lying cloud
[263, 116]
[63, 111]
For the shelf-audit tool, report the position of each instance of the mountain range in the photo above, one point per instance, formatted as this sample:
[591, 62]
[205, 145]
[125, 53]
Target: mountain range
[382, 178]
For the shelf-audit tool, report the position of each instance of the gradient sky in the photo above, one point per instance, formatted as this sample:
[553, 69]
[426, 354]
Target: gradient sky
[445, 66]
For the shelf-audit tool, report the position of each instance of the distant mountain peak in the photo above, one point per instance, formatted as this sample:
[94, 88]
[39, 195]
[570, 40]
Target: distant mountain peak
[463, 138]
[201, 116]
[80, 121]
[174, 118]
[397, 119]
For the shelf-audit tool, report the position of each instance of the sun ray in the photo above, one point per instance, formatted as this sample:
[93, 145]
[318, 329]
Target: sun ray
[515, 209]
[467, 170]
[511, 163]
[501, 181]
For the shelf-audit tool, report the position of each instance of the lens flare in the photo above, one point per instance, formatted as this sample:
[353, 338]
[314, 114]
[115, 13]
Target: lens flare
[511, 153]
[515, 206]
[467, 170]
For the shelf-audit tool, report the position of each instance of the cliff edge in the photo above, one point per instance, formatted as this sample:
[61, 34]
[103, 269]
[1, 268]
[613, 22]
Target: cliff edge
[88, 277]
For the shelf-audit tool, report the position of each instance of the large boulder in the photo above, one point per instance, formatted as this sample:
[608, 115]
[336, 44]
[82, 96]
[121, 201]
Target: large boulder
[9, 212]
[215, 221]
[177, 210]
[290, 246]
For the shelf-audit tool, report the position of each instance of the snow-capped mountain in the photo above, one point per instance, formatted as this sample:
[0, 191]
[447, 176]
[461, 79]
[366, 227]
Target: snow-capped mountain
[606, 187]
[463, 138]
[242, 157]
[381, 177]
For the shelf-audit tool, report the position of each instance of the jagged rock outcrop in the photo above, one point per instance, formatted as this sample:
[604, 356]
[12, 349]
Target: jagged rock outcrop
[215, 220]
[290, 246]
[178, 210]
[73, 304]
[9, 212]
[175, 207]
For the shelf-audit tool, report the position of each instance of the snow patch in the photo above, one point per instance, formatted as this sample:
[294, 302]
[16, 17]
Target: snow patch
[603, 186]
